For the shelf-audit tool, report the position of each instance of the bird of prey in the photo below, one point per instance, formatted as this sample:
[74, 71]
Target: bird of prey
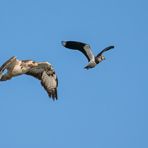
[86, 50]
[40, 70]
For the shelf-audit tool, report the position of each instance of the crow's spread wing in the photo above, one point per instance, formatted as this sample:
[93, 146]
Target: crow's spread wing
[83, 47]
[104, 50]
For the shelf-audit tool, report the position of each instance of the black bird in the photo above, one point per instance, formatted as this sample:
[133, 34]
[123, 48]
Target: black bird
[86, 50]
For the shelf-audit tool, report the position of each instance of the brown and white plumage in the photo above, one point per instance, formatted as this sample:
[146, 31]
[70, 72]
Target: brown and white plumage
[40, 70]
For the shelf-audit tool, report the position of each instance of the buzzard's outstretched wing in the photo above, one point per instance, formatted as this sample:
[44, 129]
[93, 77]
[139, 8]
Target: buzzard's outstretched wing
[105, 49]
[7, 63]
[46, 74]
[83, 47]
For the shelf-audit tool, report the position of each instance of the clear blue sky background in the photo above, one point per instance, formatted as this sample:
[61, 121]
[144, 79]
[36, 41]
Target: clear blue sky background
[105, 107]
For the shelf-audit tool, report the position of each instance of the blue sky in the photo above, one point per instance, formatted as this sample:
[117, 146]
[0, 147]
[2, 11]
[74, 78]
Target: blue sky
[105, 107]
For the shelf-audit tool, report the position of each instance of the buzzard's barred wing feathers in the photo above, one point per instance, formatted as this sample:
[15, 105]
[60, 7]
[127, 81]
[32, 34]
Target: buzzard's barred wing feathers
[49, 82]
[35, 72]
[43, 71]
[48, 79]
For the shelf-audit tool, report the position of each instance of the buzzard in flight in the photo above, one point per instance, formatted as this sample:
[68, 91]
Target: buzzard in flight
[86, 50]
[40, 70]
